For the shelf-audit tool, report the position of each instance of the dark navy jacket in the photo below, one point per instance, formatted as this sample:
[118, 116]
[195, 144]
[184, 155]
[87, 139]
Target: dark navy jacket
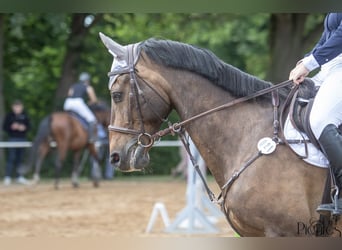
[79, 90]
[10, 118]
[330, 44]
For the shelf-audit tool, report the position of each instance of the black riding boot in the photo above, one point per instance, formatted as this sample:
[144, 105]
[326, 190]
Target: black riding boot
[331, 143]
[92, 132]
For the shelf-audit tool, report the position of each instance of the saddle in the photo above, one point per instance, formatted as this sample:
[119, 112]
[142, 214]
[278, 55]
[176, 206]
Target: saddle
[300, 109]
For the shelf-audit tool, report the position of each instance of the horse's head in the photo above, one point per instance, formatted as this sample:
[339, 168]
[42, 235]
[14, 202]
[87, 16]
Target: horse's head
[139, 106]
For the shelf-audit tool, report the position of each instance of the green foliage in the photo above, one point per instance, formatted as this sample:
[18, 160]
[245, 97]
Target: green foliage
[33, 54]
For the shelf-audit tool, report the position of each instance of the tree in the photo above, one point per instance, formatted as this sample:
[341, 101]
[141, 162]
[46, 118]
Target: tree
[79, 29]
[290, 36]
[2, 109]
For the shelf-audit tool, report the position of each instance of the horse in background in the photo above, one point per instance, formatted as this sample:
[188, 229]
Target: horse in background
[70, 134]
[276, 195]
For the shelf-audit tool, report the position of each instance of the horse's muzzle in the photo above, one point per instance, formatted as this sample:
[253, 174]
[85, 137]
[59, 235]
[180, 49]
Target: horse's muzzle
[132, 158]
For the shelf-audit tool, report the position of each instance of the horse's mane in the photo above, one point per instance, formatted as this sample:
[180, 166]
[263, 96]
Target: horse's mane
[203, 62]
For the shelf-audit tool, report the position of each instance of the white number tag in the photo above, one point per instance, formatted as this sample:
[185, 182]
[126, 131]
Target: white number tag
[266, 145]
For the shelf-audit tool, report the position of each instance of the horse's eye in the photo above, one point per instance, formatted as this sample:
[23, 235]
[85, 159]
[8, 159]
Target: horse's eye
[117, 96]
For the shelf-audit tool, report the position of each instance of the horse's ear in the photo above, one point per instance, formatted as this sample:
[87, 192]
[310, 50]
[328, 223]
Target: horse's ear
[114, 48]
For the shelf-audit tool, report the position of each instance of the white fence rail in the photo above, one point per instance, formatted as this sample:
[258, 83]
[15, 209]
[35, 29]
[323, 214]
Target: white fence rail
[27, 144]
[22, 144]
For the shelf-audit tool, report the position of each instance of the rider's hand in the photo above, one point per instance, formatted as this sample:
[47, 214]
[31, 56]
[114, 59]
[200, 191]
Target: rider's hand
[298, 74]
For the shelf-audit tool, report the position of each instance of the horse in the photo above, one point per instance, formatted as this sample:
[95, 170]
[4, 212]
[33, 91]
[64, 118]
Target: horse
[276, 195]
[66, 129]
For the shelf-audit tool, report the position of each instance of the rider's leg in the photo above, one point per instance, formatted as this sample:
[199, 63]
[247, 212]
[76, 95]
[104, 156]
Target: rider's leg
[331, 143]
[92, 132]
[79, 106]
[326, 116]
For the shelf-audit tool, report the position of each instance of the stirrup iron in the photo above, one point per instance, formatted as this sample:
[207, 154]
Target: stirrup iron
[336, 210]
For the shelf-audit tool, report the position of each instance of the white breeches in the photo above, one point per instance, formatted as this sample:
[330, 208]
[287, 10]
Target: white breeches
[78, 105]
[327, 107]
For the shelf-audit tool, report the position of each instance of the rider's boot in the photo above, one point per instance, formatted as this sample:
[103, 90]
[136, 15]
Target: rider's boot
[92, 132]
[331, 144]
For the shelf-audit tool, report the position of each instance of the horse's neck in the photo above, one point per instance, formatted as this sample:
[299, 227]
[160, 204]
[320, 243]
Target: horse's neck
[222, 135]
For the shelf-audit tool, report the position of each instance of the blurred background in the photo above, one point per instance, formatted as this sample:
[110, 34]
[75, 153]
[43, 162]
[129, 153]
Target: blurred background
[41, 55]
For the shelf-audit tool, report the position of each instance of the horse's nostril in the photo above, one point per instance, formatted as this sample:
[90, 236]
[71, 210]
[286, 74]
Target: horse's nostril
[115, 158]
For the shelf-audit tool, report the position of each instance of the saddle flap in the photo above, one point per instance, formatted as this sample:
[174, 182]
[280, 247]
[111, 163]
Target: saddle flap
[295, 124]
[300, 109]
[300, 118]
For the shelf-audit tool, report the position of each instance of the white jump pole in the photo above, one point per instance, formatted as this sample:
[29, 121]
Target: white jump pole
[193, 219]
[159, 208]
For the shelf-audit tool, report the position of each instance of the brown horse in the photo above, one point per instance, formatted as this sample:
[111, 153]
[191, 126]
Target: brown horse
[275, 196]
[69, 134]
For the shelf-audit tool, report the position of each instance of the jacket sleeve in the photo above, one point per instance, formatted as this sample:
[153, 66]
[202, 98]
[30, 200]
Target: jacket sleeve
[319, 43]
[331, 48]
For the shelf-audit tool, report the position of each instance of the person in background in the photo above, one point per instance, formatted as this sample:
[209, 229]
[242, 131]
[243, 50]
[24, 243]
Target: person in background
[75, 102]
[326, 113]
[16, 124]
[102, 150]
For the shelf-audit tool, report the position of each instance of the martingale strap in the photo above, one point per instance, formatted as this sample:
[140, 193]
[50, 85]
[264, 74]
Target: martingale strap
[176, 128]
[185, 142]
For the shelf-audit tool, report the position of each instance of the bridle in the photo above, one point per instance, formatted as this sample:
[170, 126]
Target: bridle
[144, 139]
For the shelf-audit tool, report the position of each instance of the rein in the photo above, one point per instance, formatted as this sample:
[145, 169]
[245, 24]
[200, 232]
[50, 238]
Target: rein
[176, 126]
